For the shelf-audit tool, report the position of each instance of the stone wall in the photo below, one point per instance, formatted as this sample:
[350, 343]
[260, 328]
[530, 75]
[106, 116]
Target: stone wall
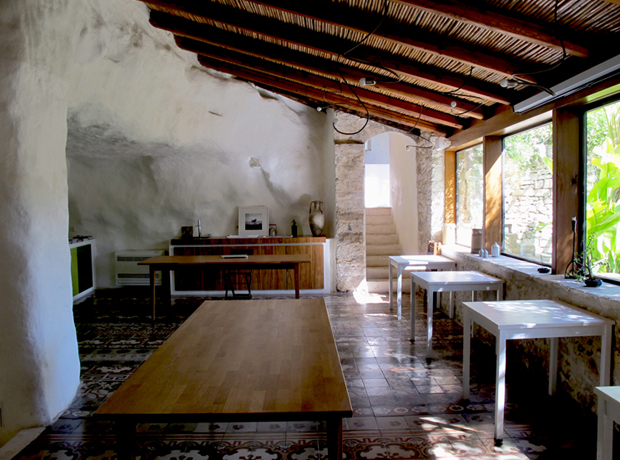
[528, 203]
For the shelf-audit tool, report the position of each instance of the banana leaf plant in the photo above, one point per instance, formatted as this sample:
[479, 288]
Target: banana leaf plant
[603, 202]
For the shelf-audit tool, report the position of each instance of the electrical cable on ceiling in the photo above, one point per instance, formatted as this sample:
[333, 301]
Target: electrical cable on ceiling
[343, 55]
[506, 83]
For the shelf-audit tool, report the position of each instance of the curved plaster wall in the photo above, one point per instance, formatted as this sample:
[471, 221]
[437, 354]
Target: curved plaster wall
[39, 363]
[151, 142]
[155, 143]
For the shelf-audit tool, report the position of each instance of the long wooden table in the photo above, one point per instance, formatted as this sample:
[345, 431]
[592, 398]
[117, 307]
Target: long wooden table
[252, 262]
[240, 360]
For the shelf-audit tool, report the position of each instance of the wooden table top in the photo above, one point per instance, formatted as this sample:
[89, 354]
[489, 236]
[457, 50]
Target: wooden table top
[268, 259]
[260, 358]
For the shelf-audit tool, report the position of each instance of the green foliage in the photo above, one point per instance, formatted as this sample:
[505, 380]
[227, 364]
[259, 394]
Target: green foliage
[603, 200]
[531, 148]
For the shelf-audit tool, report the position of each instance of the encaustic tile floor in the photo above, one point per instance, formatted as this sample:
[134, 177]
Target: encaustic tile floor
[404, 407]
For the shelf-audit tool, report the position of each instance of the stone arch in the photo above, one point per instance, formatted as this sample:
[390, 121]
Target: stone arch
[350, 211]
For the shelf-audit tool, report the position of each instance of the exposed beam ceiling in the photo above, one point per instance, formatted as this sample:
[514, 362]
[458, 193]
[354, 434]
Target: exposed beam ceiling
[436, 65]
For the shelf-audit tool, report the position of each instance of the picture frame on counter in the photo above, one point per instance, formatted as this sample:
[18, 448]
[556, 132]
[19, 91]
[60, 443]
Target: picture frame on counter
[253, 221]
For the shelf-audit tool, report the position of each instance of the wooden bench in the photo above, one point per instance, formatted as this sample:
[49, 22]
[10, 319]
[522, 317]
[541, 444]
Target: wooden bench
[239, 360]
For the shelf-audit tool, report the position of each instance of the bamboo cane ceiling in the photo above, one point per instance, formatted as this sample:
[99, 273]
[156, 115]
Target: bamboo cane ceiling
[437, 65]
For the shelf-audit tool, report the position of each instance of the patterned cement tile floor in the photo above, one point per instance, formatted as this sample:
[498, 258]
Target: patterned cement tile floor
[404, 408]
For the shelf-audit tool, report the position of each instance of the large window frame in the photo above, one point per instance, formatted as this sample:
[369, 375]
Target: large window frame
[536, 258]
[569, 185]
[581, 232]
[463, 236]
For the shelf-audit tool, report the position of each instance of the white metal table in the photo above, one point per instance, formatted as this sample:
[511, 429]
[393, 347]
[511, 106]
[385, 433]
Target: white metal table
[531, 319]
[448, 281]
[416, 262]
[608, 413]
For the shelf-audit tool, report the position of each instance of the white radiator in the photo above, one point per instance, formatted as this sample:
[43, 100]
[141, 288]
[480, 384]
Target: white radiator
[129, 273]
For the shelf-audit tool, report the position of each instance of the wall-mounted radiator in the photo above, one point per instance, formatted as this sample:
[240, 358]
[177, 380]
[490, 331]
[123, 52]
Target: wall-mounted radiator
[129, 273]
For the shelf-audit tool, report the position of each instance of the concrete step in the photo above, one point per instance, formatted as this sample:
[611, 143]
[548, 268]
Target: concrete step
[377, 273]
[380, 228]
[379, 220]
[381, 286]
[382, 249]
[378, 211]
[377, 261]
[381, 238]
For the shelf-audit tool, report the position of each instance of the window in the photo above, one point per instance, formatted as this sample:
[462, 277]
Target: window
[602, 205]
[528, 194]
[469, 193]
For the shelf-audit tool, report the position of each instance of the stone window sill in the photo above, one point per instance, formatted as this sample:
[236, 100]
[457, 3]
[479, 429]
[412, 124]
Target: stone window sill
[507, 267]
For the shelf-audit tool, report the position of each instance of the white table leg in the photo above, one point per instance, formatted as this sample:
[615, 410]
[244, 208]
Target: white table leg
[604, 432]
[399, 292]
[606, 353]
[467, 326]
[451, 310]
[391, 293]
[413, 312]
[500, 293]
[432, 299]
[553, 364]
[500, 389]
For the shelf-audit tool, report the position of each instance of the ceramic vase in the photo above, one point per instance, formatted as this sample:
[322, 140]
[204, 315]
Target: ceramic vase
[316, 218]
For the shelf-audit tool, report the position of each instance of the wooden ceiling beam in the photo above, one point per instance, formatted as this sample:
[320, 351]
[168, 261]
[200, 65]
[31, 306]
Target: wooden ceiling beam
[398, 33]
[324, 84]
[321, 42]
[328, 68]
[321, 98]
[484, 17]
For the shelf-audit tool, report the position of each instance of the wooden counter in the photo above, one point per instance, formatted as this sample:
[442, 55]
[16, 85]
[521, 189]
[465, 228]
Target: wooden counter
[312, 274]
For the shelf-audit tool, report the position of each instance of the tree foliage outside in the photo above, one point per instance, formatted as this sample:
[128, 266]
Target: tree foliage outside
[603, 188]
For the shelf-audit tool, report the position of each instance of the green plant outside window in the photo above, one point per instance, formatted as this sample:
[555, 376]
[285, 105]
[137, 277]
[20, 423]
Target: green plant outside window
[603, 189]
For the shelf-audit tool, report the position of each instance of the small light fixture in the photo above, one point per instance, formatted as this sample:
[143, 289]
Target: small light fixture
[441, 143]
[368, 81]
[508, 83]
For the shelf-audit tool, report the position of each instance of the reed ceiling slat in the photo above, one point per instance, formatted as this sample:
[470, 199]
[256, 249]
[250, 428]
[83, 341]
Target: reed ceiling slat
[442, 69]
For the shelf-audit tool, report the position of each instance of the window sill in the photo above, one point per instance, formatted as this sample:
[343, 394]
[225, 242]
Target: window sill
[543, 285]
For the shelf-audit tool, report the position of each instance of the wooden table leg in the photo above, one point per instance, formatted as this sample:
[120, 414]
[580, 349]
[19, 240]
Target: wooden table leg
[334, 439]
[125, 440]
[297, 280]
[152, 273]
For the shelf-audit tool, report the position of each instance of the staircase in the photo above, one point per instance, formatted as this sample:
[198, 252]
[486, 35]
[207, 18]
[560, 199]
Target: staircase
[381, 242]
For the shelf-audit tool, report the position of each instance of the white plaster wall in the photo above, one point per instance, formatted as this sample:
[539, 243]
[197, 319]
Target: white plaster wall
[39, 363]
[404, 194]
[156, 142]
[151, 143]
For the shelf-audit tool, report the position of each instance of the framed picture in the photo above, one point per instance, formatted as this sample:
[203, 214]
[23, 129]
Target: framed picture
[253, 220]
